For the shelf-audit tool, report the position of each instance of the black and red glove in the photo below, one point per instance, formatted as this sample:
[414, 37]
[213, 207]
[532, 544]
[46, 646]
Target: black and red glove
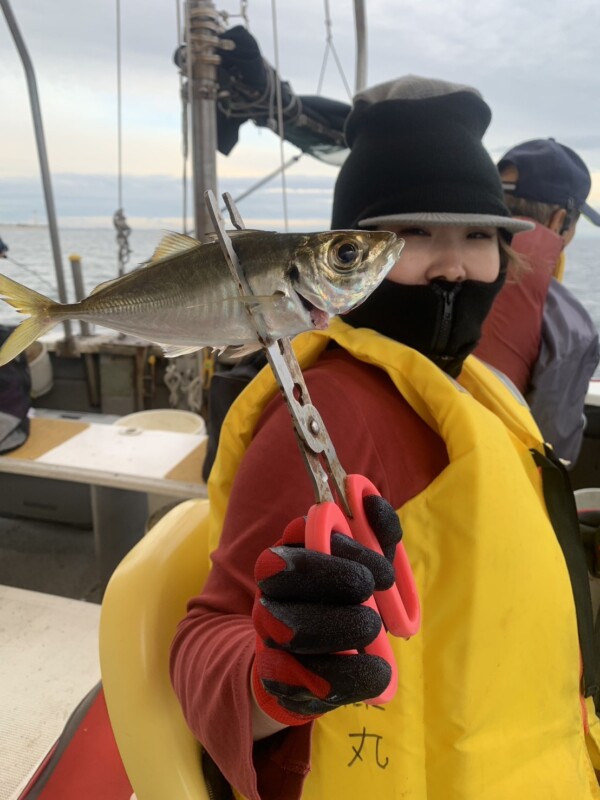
[308, 609]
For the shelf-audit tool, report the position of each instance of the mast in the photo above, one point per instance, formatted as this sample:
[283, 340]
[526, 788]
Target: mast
[360, 23]
[202, 25]
[42, 156]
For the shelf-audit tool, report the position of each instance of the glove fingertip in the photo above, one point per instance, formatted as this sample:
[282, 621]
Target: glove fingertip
[294, 532]
[269, 562]
[271, 671]
[383, 520]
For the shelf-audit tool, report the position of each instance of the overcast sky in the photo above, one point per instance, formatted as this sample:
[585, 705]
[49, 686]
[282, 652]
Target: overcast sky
[537, 65]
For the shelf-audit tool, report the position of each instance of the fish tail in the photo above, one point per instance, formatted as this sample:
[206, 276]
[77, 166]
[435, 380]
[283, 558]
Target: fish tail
[26, 301]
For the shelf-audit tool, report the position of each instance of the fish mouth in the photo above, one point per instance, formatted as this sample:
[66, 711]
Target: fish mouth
[318, 317]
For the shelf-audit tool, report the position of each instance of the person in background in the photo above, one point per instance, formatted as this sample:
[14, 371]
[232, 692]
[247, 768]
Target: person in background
[3, 249]
[494, 699]
[538, 333]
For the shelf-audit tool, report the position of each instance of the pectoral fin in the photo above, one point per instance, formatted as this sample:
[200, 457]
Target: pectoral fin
[266, 301]
[261, 300]
[174, 350]
[238, 351]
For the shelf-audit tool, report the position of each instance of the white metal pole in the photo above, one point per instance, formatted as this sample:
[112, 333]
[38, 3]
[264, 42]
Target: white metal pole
[42, 155]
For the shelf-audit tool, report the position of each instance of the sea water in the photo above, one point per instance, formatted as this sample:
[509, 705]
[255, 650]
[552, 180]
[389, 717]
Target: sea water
[30, 261]
[30, 258]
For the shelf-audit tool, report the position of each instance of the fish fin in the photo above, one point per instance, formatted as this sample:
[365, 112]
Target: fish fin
[239, 350]
[174, 350]
[173, 244]
[104, 285]
[23, 335]
[253, 300]
[26, 301]
[258, 300]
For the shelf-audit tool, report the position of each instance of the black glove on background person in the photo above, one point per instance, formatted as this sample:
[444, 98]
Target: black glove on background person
[308, 610]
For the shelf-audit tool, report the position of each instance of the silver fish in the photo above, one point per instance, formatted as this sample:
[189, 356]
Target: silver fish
[184, 298]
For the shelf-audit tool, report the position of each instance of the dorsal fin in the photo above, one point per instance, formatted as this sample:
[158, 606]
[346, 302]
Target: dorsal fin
[170, 245]
[104, 285]
[173, 244]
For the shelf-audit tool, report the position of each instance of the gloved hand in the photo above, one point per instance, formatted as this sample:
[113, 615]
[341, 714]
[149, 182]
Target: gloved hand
[308, 609]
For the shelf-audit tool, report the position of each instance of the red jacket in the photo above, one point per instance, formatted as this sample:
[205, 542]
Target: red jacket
[377, 435]
[511, 334]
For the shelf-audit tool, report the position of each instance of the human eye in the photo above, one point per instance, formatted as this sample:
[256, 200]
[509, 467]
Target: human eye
[482, 233]
[413, 230]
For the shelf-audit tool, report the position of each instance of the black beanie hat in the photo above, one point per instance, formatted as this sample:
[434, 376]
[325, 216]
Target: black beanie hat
[417, 156]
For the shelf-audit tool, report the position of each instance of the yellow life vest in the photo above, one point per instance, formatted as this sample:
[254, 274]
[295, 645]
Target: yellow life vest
[559, 269]
[488, 705]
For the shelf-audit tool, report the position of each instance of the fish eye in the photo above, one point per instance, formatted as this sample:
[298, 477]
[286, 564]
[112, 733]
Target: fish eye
[345, 256]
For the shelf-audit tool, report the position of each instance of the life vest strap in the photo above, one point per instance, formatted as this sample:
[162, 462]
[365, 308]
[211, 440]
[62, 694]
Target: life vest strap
[560, 503]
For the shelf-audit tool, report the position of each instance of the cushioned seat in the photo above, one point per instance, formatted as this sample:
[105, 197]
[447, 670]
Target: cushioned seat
[144, 600]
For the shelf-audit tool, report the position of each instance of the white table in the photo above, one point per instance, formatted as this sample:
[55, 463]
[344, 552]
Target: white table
[121, 466]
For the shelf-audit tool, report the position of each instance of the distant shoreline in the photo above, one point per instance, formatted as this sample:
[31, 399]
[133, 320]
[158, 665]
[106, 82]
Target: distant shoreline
[62, 226]
[24, 224]
[584, 231]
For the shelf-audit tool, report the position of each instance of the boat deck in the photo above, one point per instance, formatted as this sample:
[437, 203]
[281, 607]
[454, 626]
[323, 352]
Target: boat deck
[50, 557]
[49, 663]
[49, 610]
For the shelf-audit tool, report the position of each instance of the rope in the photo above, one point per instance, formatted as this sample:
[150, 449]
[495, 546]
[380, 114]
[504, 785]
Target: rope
[270, 103]
[194, 394]
[329, 46]
[279, 117]
[244, 13]
[119, 220]
[31, 272]
[183, 93]
[186, 383]
[123, 231]
[119, 144]
[265, 180]
[226, 16]
[173, 380]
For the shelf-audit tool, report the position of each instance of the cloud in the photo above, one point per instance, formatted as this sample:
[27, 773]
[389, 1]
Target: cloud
[91, 200]
[536, 67]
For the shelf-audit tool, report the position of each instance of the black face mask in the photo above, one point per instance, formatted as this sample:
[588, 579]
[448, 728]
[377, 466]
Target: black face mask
[442, 319]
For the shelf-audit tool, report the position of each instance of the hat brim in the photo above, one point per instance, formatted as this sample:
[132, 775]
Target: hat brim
[509, 224]
[591, 214]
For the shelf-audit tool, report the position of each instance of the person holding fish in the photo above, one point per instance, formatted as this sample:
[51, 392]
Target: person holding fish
[496, 692]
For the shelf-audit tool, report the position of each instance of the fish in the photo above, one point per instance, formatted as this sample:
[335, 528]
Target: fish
[185, 298]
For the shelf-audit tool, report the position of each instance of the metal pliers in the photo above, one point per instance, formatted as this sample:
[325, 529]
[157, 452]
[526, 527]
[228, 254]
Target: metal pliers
[339, 497]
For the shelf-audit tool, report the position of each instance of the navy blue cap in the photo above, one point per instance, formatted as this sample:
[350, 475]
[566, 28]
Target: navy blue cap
[550, 172]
